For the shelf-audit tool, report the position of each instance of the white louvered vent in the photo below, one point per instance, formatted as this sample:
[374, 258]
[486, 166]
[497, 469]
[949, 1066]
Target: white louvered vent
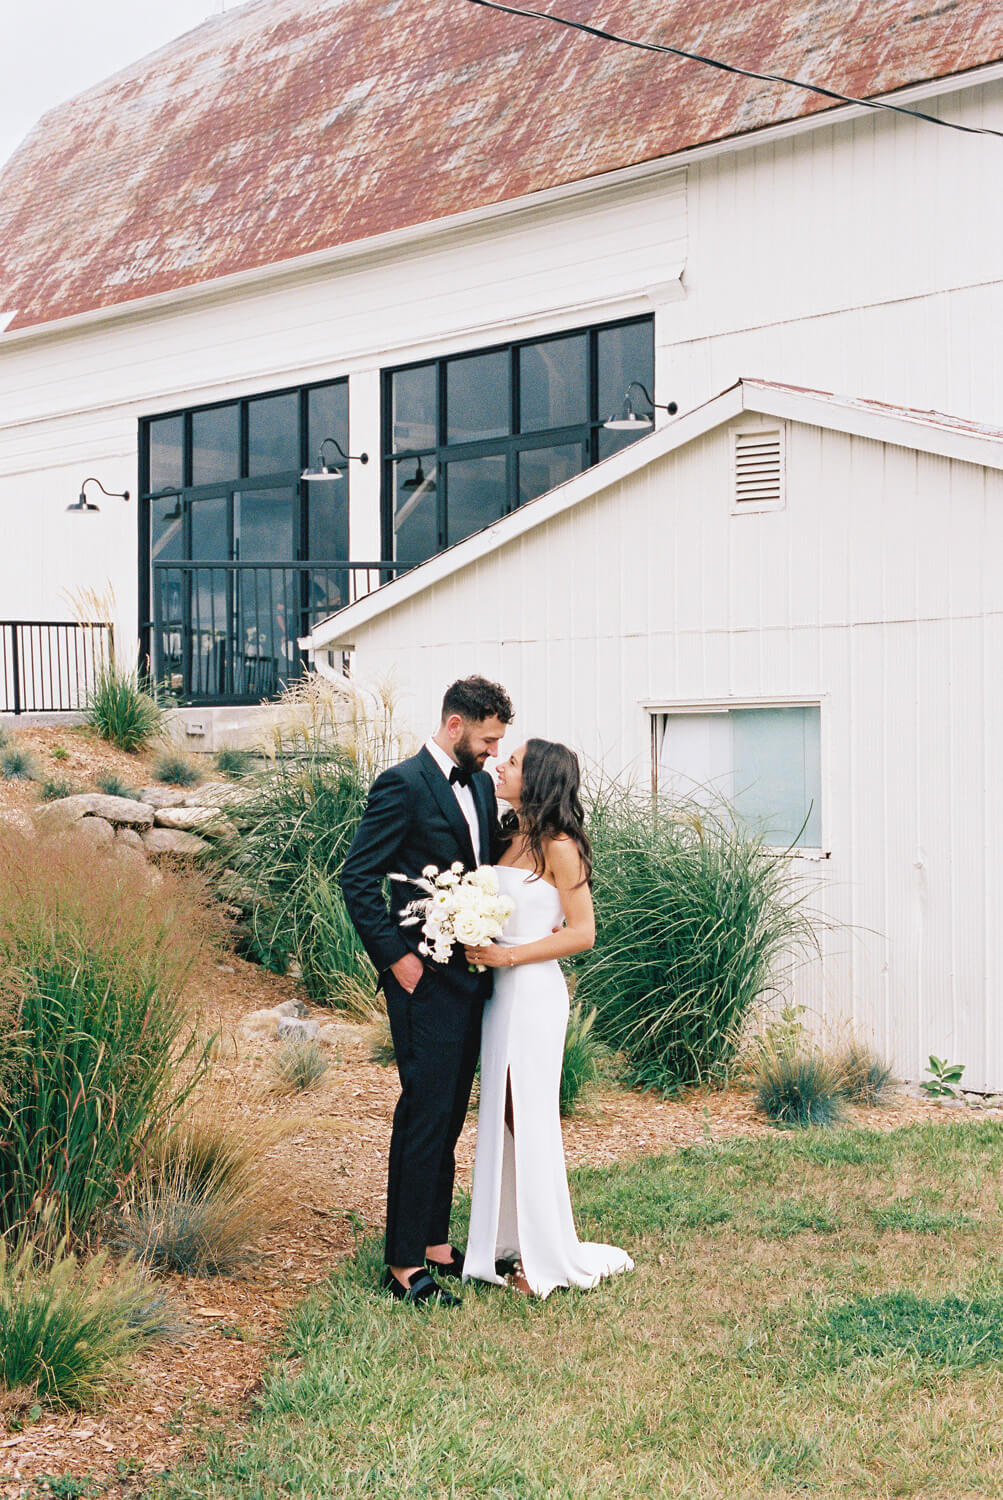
[759, 469]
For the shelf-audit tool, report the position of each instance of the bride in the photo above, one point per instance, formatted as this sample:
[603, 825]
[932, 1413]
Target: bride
[521, 1208]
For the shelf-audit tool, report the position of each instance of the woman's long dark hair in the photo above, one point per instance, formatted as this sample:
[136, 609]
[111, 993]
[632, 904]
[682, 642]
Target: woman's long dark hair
[550, 804]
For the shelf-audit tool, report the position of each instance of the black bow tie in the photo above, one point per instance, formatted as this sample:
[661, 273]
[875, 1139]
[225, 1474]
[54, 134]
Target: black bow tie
[459, 777]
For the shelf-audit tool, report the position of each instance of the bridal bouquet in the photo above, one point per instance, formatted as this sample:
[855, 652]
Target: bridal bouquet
[456, 908]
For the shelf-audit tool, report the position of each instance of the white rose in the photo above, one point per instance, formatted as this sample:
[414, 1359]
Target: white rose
[468, 928]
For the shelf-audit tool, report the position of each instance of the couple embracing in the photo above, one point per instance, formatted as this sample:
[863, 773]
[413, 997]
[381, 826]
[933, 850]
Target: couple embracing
[439, 808]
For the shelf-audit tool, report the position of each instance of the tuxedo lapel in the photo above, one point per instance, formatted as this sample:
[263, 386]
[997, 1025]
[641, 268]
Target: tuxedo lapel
[443, 794]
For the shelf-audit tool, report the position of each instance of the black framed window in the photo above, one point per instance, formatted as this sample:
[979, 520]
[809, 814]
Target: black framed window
[468, 438]
[230, 535]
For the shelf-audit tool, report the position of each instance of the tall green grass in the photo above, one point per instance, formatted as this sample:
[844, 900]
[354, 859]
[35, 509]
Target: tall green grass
[697, 920]
[67, 1328]
[96, 1044]
[297, 830]
[124, 710]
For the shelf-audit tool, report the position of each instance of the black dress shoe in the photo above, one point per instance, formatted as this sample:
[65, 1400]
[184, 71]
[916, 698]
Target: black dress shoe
[421, 1290]
[506, 1267]
[452, 1267]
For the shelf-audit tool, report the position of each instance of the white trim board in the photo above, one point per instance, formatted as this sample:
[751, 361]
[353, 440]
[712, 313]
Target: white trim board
[921, 432]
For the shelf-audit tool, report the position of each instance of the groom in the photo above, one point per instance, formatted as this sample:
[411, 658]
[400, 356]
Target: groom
[434, 809]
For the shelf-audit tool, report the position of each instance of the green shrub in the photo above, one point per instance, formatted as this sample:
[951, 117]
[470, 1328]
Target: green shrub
[96, 1046]
[66, 1329]
[695, 920]
[232, 762]
[867, 1079]
[299, 1065]
[798, 1086]
[175, 769]
[124, 710]
[52, 788]
[114, 785]
[582, 1052]
[17, 763]
[59, 752]
[297, 828]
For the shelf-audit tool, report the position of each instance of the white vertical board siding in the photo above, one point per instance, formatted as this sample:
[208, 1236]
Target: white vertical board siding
[876, 591]
[862, 257]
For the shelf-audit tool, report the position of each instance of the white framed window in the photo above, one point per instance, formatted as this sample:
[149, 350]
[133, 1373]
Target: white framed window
[758, 469]
[764, 759]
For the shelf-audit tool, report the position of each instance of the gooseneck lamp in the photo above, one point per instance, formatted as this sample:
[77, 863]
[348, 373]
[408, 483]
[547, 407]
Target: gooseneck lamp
[322, 471]
[630, 420]
[83, 504]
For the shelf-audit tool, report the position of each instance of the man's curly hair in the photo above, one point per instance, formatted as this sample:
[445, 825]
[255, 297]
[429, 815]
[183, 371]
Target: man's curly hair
[476, 699]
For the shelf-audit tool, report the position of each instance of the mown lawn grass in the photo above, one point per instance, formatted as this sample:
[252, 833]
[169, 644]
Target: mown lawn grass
[819, 1314]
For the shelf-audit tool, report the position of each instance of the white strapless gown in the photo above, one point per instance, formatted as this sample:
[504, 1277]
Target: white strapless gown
[521, 1207]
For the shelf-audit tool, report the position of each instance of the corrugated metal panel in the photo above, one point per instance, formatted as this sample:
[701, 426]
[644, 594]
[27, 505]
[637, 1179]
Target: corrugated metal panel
[654, 590]
[290, 126]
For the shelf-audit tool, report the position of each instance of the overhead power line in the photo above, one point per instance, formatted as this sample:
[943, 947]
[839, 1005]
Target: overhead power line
[713, 62]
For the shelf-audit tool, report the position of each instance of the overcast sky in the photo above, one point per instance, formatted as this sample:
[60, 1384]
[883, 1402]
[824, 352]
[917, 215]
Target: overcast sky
[53, 49]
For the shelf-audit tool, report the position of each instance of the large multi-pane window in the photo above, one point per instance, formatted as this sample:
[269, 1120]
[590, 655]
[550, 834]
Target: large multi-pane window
[469, 438]
[227, 525]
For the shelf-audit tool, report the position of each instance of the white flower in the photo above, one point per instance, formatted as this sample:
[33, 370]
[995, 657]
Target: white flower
[485, 879]
[467, 928]
[424, 949]
[457, 867]
[429, 872]
[448, 879]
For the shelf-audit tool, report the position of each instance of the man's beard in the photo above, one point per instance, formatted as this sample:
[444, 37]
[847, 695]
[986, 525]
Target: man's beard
[466, 757]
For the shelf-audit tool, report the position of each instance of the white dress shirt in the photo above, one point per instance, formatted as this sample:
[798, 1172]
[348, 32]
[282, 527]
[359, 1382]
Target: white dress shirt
[463, 794]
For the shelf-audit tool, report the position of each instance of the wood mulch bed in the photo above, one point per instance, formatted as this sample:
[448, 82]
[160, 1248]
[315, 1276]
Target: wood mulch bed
[328, 1174]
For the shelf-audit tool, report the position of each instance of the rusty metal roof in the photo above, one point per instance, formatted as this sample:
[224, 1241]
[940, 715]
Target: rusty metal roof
[292, 126]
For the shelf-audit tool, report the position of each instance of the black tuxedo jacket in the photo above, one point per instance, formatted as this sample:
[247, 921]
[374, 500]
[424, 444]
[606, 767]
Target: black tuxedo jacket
[413, 819]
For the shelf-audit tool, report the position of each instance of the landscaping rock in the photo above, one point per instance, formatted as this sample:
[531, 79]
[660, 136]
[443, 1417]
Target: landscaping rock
[295, 1008]
[218, 794]
[116, 810]
[186, 818]
[163, 796]
[333, 1032]
[259, 1025]
[97, 831]
[129, 856]
[173, 841]
[289, 1028]
[130, 837]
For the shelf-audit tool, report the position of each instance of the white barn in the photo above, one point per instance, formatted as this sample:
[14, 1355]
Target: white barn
[822, 650]
[453, 241]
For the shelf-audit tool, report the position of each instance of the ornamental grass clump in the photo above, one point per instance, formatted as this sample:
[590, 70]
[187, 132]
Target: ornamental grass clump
[798, 1085]
[66, 1328]
[299, 1065]
[199, 1203]
[175, 769]
[867, 1078]
[97, 1046]
[17, 763]
[114, 785]
[233, 763]
[697, 923]
[53, 788]
[297, 828]
[124, 709]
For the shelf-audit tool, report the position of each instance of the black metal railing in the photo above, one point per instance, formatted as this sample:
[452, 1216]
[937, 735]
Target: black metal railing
[227, 632]
[49, 666]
